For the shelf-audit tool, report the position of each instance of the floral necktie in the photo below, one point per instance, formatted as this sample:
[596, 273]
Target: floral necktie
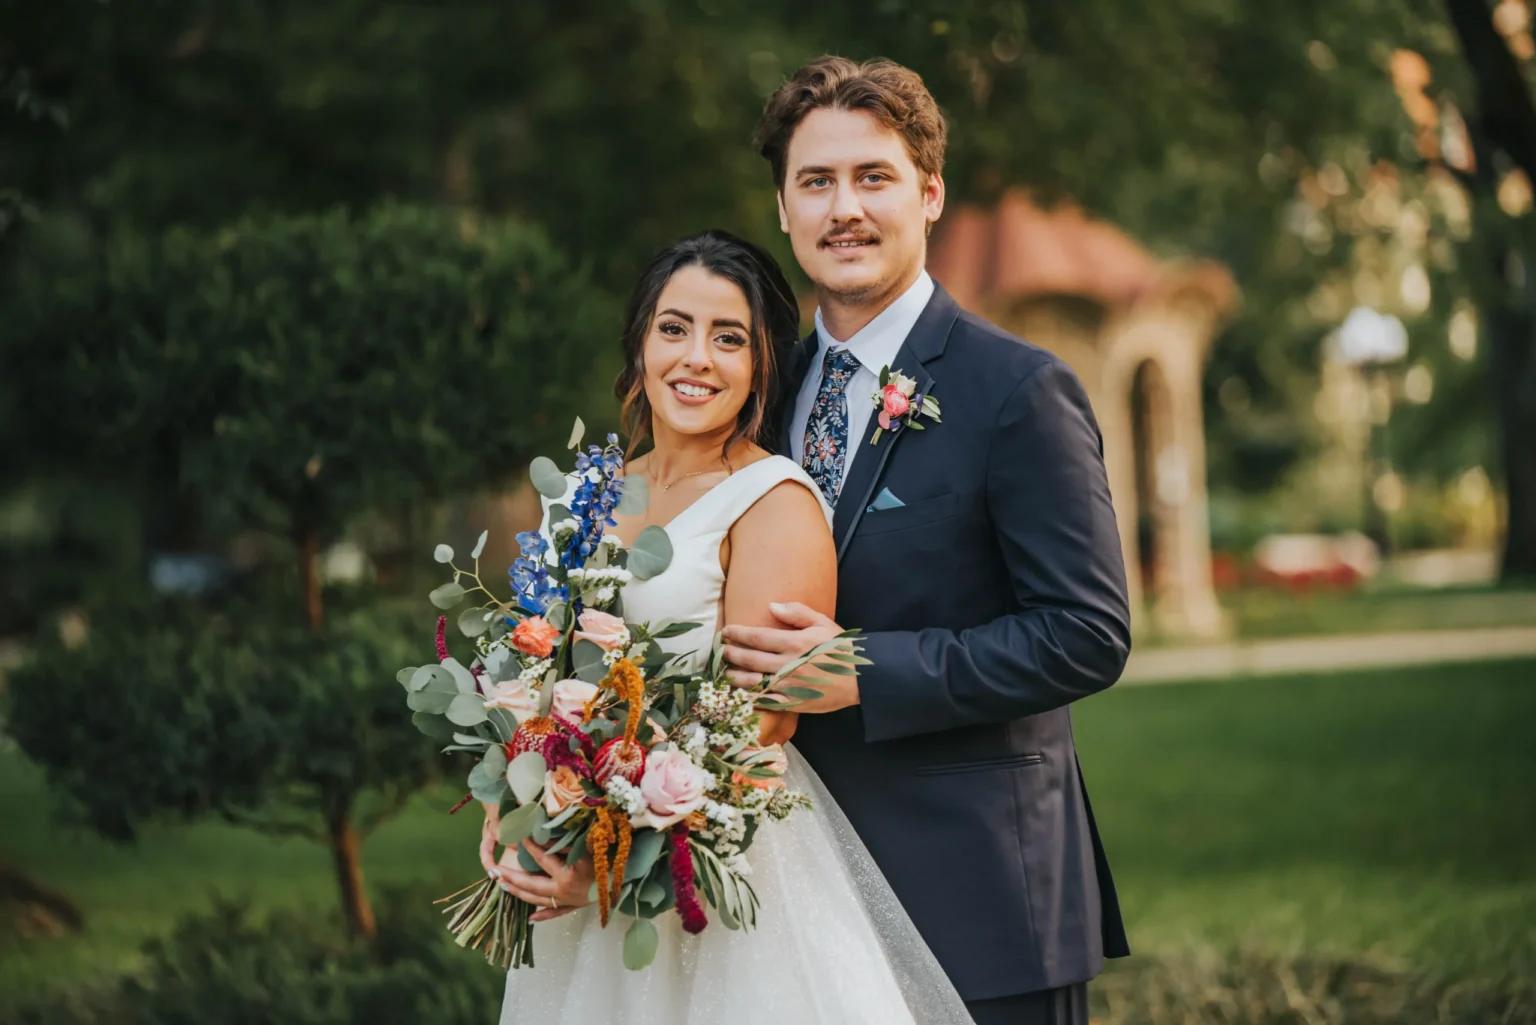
[826, 431]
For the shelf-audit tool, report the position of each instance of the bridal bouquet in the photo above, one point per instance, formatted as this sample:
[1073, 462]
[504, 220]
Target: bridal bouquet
[593, 740]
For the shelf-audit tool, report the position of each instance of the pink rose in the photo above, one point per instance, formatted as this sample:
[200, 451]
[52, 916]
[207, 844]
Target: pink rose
[570, 700]
[771, 758]
[672, 787]
[896, 403]
[605, 631]
[514, 697]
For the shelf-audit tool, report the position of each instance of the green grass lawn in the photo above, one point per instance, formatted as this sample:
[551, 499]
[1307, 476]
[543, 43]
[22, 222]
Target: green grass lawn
[1391, 814]
[1388, 813]
[1274, 612]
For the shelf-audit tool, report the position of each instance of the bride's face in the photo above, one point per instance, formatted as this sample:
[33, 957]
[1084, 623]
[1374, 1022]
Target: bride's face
[698, 354]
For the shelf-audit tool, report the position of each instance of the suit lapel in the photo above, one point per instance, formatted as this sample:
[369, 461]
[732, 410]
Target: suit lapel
[924, 343]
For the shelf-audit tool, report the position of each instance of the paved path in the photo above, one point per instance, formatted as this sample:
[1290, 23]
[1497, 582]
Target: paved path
[1328, 654]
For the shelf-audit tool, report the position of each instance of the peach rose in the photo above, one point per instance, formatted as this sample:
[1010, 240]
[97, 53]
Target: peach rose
[776, 760]
[562, 788]
[513, 696]
[672, 787]
[605, 631]
[570, 700]
[895, 403]
[534, 636]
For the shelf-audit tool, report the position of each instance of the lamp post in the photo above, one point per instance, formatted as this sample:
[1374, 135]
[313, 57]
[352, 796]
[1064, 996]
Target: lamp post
[1373, 342]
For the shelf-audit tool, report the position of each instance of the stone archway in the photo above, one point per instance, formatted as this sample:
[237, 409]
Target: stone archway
[1150, 412]
[1136, 331]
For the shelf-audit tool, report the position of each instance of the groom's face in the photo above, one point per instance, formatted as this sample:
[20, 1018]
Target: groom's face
[855, 206]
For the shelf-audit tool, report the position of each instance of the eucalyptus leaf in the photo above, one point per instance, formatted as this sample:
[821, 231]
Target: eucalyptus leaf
[518, 825]
[525, 861]
[674, 630]
[643, 853]
[502, 721]
[433, 702]
[442, 553]
[587, 661]
[495, 761]
[578, 430]
[640, 941]
[432, 678]
[635, 497]
[480, 544]
[526, 776]
[557, 616]
[495, 662]
[447, 596]
[472, 622]
[466, 710]
[403, 677]
[434, 726]
[492, 792]
[650, 553]
[652, 893]
[547, 478]
[479, 779]
[463, 679]
[470, 739]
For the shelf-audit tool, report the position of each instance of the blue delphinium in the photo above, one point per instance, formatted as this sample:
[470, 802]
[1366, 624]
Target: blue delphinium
[530, 575]
[596, 498]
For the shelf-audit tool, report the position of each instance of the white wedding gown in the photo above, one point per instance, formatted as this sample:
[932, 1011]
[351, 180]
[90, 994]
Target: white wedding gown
[832, 946]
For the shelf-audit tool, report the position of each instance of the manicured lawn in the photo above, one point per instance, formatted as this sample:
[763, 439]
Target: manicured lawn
[1391, 814]
[1273, 612]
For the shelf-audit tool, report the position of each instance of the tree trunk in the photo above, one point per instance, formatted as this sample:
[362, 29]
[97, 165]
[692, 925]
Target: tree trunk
[347, 850]
[309, 557]
[21, 889]
[1505, 285]
[1512, 361]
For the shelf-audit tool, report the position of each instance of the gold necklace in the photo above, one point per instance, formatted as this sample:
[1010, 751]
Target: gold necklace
[668, 487]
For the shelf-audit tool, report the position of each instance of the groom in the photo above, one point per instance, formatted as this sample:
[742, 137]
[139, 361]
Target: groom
[978, 558]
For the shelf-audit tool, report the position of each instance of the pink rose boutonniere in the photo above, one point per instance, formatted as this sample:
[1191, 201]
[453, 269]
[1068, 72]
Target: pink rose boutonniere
[900, 405]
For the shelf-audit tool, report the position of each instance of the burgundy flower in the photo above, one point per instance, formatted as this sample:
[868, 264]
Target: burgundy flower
[442, 638]
[688, 906]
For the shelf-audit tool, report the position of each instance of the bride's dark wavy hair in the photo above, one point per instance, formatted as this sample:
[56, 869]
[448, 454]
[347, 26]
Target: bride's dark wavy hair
[774, 329]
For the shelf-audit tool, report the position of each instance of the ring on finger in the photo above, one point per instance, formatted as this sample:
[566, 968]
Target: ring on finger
[553, 903]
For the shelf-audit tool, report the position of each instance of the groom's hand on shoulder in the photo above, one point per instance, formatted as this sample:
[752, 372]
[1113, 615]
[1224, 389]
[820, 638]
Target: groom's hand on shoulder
[753, 651]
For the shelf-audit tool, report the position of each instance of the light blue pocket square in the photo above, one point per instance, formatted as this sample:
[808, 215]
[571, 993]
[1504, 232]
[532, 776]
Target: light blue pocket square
[885, 500]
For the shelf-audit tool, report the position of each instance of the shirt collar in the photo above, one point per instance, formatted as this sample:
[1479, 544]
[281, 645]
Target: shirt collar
[876, 344]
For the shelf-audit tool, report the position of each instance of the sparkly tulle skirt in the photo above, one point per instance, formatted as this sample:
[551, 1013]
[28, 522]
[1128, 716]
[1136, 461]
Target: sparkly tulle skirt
[832, 947]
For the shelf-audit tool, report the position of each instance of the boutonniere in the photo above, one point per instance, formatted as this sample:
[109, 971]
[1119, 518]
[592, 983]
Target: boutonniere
[899, 404]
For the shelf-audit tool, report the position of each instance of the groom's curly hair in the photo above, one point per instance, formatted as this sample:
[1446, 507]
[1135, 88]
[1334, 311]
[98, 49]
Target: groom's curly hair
[895, 95]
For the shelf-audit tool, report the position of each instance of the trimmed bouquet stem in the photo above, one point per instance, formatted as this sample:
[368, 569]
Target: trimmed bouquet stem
[493, 922]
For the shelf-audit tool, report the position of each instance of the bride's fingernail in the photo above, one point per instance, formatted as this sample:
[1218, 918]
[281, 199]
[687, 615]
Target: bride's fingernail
[505, 887]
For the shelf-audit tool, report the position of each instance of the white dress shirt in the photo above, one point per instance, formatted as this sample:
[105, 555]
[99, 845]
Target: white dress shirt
[875, 346]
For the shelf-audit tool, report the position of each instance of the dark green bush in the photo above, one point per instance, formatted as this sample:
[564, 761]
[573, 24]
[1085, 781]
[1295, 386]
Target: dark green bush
[292, 969]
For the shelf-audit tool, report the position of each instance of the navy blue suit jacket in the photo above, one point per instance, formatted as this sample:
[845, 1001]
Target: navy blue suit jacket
[988, 602]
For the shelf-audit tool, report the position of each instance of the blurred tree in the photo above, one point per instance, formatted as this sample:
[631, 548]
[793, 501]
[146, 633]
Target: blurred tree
[177, 709]
[1216, 129]
[274, 381]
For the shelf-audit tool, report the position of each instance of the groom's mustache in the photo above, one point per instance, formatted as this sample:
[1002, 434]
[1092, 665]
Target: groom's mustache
[848, 235]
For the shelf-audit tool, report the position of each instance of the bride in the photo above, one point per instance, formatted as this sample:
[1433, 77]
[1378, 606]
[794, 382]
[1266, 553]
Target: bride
[705, 329]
